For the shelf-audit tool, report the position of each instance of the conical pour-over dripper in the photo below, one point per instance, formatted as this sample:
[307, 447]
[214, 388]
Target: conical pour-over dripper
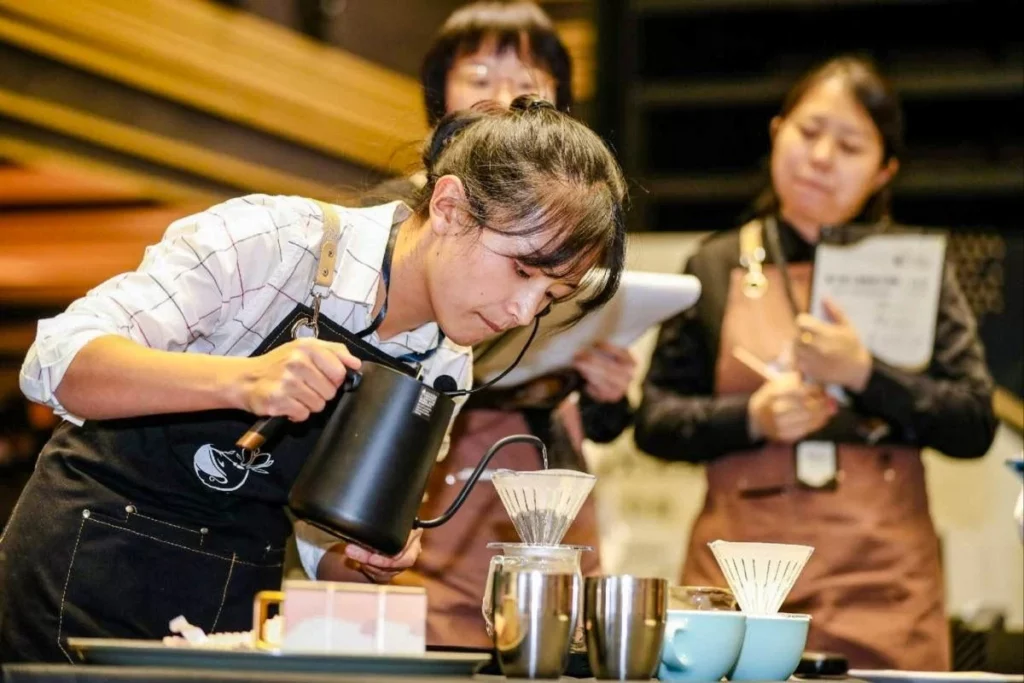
[543, 503]
[760, 574]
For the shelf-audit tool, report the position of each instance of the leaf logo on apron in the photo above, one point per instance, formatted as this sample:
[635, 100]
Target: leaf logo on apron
[228, 470]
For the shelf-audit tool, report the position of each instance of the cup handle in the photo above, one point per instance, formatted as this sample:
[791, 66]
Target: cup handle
[486, 607]
[669, 657]
[260, 604]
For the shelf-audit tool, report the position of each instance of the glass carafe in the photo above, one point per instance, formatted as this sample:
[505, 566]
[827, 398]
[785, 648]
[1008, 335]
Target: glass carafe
[552, 559]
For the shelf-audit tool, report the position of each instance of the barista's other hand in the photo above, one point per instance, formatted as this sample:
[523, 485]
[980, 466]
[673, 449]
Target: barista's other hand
[295, 379]
[607, 370]
[831, 352]
[380, 568]
[785, 409]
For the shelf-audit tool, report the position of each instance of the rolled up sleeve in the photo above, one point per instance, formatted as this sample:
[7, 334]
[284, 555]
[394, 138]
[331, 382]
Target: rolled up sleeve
[183, 289]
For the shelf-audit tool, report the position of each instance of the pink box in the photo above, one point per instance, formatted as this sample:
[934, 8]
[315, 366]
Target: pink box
[353, 618]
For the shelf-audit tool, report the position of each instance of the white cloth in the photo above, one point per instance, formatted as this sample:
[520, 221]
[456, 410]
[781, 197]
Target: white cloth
[220, 280]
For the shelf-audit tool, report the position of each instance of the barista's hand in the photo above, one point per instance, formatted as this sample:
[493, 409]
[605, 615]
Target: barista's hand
[607, 371]
[831, 352]
[380, 568]
[784, 409]
[295, 379]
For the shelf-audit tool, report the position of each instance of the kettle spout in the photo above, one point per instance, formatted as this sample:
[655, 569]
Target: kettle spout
[471, 481]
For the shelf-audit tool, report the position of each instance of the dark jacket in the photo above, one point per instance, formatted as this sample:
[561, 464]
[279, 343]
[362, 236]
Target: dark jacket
[948, 407]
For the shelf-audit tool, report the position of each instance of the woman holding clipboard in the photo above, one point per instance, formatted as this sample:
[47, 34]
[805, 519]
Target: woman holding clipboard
[737, 383]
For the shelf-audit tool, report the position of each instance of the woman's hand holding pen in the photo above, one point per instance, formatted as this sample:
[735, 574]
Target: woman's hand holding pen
[607, 370]
[295, 379]
[785, 409]
[831, 352]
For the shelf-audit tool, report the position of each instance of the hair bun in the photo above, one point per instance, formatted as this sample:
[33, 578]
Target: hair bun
[531, 104]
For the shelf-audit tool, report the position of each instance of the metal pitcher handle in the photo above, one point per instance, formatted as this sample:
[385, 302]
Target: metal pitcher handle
[487, 606]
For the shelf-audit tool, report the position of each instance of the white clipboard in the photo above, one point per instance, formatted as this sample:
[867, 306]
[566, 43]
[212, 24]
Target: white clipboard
[888, 283]
[643, 300]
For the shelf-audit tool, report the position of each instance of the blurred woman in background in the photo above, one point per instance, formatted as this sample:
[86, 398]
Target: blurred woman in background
[784, 462]
[497, 51]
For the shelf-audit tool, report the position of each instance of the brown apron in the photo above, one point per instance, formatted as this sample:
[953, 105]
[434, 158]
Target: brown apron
[874, 583]
[453, 563]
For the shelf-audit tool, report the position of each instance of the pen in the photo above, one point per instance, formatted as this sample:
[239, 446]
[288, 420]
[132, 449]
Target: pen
[754, 363]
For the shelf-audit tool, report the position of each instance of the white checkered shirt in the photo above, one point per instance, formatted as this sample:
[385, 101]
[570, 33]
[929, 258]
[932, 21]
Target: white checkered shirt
[221, 280]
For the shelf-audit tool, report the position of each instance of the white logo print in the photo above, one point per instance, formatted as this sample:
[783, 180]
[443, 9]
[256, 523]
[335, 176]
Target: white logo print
[228, 470]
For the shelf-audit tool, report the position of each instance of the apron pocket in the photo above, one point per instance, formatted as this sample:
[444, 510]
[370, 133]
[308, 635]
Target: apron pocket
[131, 574]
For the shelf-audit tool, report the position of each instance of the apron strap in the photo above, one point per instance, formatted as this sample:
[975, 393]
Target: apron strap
[328, 246]
[752, 256]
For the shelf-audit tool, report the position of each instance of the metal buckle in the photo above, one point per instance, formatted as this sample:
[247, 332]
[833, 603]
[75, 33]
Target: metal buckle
[312, 323]
[755, 284]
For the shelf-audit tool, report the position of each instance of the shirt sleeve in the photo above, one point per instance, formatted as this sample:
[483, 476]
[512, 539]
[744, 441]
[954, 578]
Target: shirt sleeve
[312, 544]
[203, 272]
[949, 407]
[679, 417]
[604, 422]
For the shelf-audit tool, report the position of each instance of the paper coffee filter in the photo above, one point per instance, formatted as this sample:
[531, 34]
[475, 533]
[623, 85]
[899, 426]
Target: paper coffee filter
[760, 575]
[544, 503]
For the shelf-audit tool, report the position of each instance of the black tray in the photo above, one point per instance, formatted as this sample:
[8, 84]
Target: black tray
[153, 653]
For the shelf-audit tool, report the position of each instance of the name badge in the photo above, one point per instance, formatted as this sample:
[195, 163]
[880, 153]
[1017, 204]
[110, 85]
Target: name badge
[816, 464]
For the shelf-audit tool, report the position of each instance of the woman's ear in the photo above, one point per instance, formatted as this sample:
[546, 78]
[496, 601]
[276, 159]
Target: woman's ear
[446, 205]
[886, 173]
[773, 127]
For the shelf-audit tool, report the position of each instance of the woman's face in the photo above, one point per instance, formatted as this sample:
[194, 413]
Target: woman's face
[826, 158]
[478, 285]
[491, 75]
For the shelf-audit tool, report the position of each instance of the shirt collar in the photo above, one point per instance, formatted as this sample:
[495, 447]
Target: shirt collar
[364, 239]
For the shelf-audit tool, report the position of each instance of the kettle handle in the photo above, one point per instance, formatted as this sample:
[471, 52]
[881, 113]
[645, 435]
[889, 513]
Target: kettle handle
[268, 428]
[461, 498]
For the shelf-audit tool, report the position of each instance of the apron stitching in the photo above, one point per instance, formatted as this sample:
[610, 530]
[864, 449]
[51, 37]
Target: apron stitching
[160, 521]
[279, 335]
[64, 596]
[224, 595]
[184, 547]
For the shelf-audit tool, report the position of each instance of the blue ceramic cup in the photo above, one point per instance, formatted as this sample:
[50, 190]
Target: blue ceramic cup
[772, 647]
[700, 646]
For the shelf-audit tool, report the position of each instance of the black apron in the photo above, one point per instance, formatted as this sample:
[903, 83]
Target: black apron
[126, 524]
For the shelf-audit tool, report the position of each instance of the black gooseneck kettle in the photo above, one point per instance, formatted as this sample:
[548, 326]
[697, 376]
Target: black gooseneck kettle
[364, 481]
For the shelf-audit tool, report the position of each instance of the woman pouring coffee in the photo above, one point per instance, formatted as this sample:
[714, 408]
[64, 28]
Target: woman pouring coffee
[141, 507]
[785, 464]
[497, 51]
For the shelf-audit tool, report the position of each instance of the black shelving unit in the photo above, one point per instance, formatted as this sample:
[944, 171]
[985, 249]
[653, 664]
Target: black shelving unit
[689, 87]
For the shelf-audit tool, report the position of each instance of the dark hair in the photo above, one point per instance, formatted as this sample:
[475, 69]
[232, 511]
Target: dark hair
[879, 100]
[528, 168]
[516, 26]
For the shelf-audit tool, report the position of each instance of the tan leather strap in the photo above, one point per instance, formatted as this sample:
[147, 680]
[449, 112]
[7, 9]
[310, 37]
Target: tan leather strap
[751, 244]
[328, 246]
[752, 257]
